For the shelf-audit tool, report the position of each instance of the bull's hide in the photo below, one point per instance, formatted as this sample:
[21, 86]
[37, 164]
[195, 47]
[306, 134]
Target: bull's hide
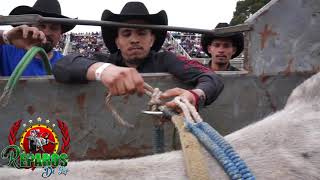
[284, 145]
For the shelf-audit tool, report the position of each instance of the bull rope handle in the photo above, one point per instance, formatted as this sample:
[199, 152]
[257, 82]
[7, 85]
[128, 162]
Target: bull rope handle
[214, 143]
[15, 76]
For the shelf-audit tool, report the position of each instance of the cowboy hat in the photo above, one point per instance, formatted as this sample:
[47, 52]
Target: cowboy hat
[133, 10]
[236, 38]
[46, 8]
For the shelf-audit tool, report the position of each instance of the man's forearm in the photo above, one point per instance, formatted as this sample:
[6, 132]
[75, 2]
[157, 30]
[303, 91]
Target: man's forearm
[211, 85]
[72, 69]
[92, 70]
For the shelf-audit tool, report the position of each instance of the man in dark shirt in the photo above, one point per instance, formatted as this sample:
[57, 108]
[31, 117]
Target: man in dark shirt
[222, 48]
[136, 50]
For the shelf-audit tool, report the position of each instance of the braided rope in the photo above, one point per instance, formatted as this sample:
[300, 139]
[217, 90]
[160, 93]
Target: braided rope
[184, 108]
[193, 111]
[223, 152]
[215, 151]
[155, 99]
[157, 139]
[227, 149]
[197, 168]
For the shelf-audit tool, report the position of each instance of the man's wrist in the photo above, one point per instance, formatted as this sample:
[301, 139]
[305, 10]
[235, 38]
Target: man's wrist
[1, 37]
[4, 36]
[199, 92]
[91, 71]
[196, 99]
[201, 97]
[99, 70]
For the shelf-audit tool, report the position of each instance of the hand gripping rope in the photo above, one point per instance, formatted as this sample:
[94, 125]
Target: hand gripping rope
[215, 144]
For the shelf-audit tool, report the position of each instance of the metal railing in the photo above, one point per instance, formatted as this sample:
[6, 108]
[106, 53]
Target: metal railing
[178, 48]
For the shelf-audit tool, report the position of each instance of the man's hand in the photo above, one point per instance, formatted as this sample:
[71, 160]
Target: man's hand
[122, 80]
[25, 36]
[171, 93]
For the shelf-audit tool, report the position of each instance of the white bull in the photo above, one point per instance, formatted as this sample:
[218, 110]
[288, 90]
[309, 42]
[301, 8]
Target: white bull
[285, 145]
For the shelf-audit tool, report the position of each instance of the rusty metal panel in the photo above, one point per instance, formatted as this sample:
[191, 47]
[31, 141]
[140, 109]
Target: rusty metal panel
[285, 38]
[96, 135]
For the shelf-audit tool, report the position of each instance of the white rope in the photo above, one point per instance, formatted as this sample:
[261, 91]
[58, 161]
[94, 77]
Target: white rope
[184, 109]
[192, 110]
[115, 114]
[155, 99]
[153, 103]
[189, 111]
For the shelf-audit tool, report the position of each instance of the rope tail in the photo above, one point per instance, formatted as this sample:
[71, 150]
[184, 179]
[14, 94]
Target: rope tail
[115, 114]
[23, 64]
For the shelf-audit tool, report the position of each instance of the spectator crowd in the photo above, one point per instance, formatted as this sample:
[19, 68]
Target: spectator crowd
[91, 42]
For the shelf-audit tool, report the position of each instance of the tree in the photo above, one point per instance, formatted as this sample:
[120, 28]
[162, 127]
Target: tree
[245, 8]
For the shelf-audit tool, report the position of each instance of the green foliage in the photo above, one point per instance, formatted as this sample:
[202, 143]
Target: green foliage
[245, 8]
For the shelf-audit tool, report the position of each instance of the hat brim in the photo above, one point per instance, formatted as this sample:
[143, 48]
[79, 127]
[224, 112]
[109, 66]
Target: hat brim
[20, 10]
[109, 34]
[237, 41]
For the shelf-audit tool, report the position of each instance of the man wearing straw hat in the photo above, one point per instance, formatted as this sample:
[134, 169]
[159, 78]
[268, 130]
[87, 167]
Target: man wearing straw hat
[136, 50]
[15, 42]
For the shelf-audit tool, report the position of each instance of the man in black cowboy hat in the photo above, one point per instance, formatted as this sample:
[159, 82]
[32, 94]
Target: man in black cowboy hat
[136, 50]
[222, 48]
[15, 42]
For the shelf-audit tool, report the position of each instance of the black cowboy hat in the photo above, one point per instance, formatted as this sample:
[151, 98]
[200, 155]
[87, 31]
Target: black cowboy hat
[237, 40]
[133, 10]
[46, 8]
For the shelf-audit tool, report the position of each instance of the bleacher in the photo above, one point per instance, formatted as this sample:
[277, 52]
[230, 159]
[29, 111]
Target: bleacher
[184, 44]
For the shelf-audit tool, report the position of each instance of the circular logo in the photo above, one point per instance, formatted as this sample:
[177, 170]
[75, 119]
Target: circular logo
[39, 139]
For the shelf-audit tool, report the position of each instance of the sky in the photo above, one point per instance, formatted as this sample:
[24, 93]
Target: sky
[203, 14]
